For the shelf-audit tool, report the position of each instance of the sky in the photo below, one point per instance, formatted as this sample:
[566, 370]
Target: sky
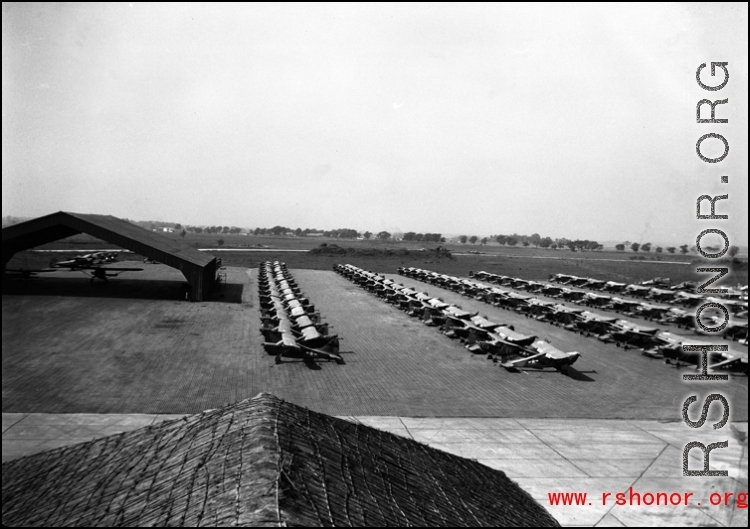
[568, 120]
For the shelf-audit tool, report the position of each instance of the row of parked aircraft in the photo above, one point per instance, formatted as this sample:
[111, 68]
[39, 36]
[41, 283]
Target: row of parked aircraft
[652, 341]
[659, 289]
[665, 314]
[500, 342]
[289, 323]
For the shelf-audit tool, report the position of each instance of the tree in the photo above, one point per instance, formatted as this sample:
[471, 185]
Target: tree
[620, 247]
[501, 239]
[571, 246]
[684, 249]
[659, 249]
[525, 243]
[671, 249]
[646, 247]
[733, 250]
[298, 232]
[178, 226]
[409, 236]
[462, 239]
[384, 235]
[635, 246]
[553, 246]
[535, 239]
[367, 235]
[512, 241]
[220, 242]
[473, 239]
[545, 242]
[419, 237]
[484, 241]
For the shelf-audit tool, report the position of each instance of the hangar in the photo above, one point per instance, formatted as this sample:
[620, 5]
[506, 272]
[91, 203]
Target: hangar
[198, 268]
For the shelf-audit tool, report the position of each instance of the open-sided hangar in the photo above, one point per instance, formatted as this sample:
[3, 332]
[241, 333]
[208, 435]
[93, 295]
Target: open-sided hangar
[198, 268]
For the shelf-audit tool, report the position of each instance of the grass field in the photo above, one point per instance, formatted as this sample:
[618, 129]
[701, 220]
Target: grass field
[527, 263]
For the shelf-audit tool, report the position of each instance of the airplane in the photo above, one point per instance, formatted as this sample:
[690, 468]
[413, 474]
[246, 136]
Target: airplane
[540, 310]
[574, 296]
[545, 356]
[504, 341]
[658, 282]
[670, 349]
[589, 323]
[628, 335]
[311, 347]
[479, 331]
[75, 262]
[614, 287]
[534, 287]
[578, 281]
[687, 286]
[637, 291]
[563, 279]
[595, 284]
[625, 306]
[566, 317]
[456, 324]
[596, 300]
[552, 291]
[661, 295]
[86, 266]
[681, 318]
[687, 299]
[654, 312]
[513, 301]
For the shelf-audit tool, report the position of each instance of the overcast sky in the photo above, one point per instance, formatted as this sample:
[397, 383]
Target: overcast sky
[565, 120]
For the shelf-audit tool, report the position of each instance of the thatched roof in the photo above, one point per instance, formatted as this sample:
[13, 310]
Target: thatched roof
[260, 462]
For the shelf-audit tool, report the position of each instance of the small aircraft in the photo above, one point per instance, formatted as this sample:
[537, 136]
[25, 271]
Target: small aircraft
[539, 309]
[628, 335]
[596, 300]
[661, 295]
[552, 291]
[687, 299]
[595, 284]
[658, 282]
[589, 323]
[655, 312]
[614, 287]
[86, 264]
[456, 324]
[312, 346]
[625, 306]
[670, 349]
[574, 296]
[637, 291]
[504, 341]
[566, 317]
[545, 356]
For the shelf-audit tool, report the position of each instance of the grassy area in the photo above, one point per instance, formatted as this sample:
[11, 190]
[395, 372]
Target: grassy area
[525, 262]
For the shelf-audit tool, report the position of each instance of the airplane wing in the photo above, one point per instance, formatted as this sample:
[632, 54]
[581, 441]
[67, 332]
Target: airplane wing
[513, 365]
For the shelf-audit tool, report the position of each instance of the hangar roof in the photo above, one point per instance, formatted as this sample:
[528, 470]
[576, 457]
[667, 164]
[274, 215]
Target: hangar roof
[63, 224]
[261, 462]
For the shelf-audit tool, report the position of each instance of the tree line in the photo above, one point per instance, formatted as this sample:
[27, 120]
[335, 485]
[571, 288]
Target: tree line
[537, 240]
[647, 247]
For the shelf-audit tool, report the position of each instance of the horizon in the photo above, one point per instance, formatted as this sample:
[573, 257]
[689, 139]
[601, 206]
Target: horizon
[573, 121]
